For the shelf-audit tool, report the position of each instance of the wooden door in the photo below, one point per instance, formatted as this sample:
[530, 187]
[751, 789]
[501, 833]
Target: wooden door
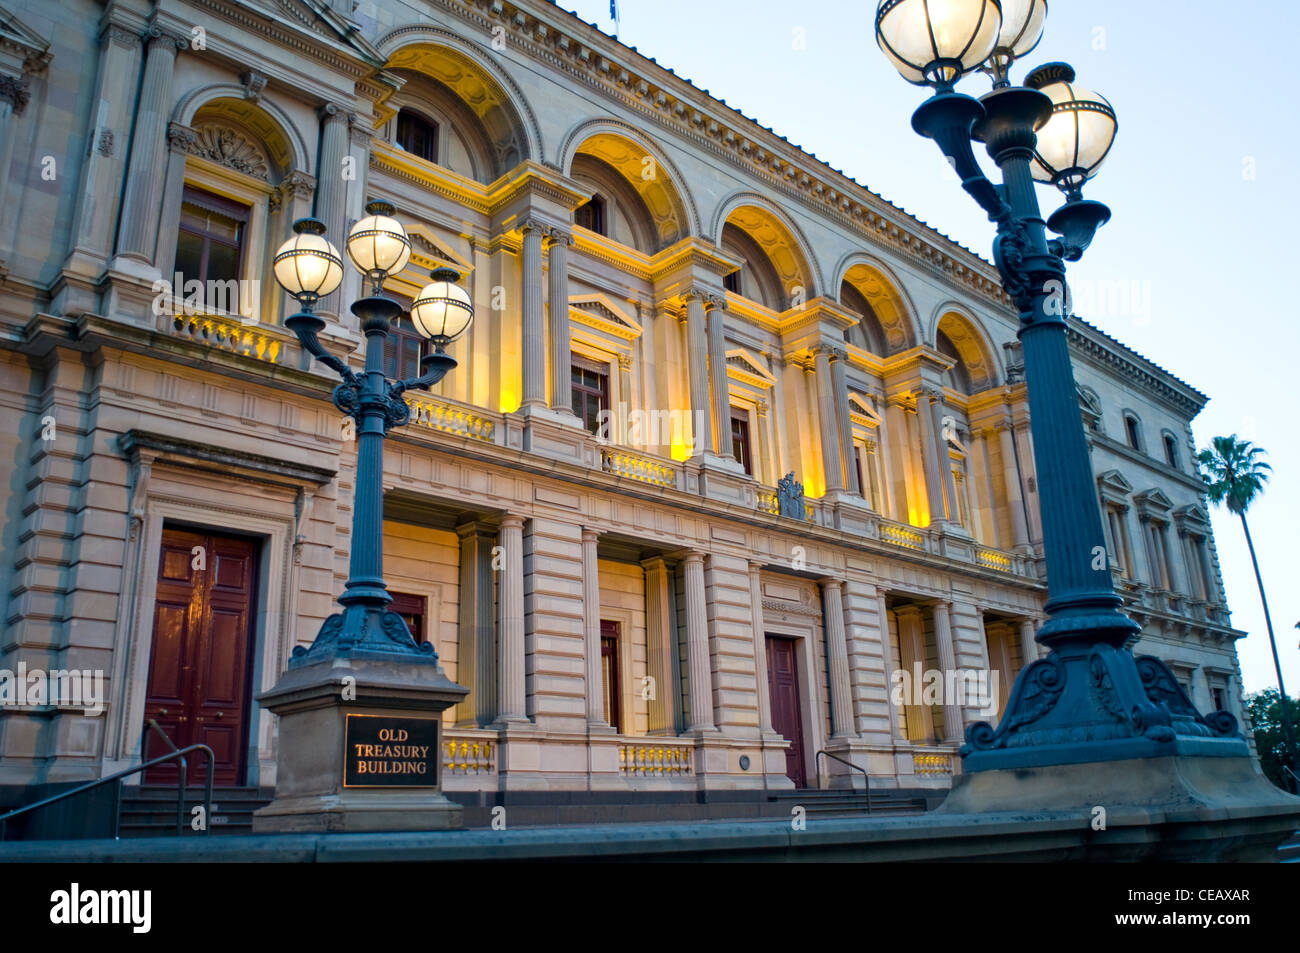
[787, 712]
[199, 669]
[609, 673]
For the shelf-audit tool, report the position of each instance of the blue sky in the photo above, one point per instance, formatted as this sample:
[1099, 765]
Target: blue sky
[1203, 182]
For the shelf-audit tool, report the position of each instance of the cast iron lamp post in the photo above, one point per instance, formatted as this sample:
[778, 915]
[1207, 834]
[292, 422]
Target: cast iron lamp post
[1089, 700]
[308, 267]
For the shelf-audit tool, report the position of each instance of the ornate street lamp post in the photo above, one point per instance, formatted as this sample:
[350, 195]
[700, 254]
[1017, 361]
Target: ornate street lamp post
[308, 267]
[1089, 700]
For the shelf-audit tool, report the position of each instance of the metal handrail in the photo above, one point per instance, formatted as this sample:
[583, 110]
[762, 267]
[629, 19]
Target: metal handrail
[1295, 777]
[182, 780]
[866, 778]
[117, 817]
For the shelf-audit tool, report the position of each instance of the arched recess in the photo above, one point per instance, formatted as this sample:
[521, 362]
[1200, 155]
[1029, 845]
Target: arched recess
[779, 267]
[460, 142]
[891, 318]
[959, 336]
[645, 172]
[477, 81]
[263, 120]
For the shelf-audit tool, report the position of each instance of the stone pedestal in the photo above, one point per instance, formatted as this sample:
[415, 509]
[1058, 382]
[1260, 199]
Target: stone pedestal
[1205, 808]
[341, 712]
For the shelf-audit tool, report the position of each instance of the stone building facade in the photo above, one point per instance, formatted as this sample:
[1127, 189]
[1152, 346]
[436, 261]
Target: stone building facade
[676, 309]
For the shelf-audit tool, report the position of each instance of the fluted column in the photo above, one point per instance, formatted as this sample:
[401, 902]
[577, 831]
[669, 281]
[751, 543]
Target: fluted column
[929, 450]
[831, 463]
[837, 652]
[534, 327]
[138, 232]
[840, 386]
[591, 628]
[698, 375]
[558, 312]
[331, 190]
[659, 626]
[1015, 501]
[510, 681]
[943, 459]
[719, 389]
[892, 664]
[760, 646]
[476, 658]
[953, 726]
[698, 669]
[1028, 645]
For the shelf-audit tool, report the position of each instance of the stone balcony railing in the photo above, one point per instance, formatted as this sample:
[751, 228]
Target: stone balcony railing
[648, 759]
[466, 756]
[453, 417]
[642, 467]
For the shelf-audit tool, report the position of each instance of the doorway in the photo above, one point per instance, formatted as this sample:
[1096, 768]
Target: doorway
[787, 709]
[199, 666]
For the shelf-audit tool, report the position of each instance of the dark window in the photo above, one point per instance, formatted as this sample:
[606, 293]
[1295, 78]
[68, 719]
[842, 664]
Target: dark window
[609, 672]
[590, 392]
[732, 282]
[417, 135]
[591, 215]
[1133, 429]
[210, 242]
[404, 346]
[1171, 451]
[412, 610]
[1220, 699]
[740, 439]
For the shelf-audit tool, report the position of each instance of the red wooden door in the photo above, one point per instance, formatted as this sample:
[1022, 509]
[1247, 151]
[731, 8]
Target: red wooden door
[198, 687]
[787, 712]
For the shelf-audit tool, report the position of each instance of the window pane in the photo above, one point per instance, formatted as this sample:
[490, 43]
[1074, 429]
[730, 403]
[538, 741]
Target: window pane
[223, 262]
[189, 255]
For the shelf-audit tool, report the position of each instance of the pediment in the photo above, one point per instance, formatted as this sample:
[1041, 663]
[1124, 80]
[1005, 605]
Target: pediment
[1194, 514]
[746, 368]
[321, 20]
[1115, 482]
[1154, 499]
[860, 408]
[428, 251]
[27, 50]
[603, 313]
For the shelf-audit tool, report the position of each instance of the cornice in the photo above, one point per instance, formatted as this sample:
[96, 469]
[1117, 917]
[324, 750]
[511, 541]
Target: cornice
[1106, 353]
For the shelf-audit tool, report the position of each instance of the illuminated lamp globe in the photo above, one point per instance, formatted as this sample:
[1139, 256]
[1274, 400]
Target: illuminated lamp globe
[378, 244]
[307, 266]
[442, 310]
[1077, 137]
[1022, 28]
[936, 42]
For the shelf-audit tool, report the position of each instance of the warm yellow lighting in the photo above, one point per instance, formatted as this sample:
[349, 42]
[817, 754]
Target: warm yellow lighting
[378, 244]
[1076, 139]
[937, 41]
[442, 310]
[307, 266]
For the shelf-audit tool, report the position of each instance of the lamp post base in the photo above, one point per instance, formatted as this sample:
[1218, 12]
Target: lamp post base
[360, 747]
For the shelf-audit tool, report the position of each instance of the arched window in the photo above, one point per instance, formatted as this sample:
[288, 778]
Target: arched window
[591, 214]
[1171, 450]
[417, 135]
[1133, 430]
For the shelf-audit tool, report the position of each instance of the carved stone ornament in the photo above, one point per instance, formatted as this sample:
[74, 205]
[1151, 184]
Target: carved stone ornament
[14, 91]
[789, 497]
[227, 147]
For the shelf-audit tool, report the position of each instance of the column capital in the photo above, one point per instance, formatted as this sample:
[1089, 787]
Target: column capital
[831, 582]
[693, 557]
[166, 37]
[512, 521]
[334, 112]
[298, 184]
[14, 90]
[554, 235]
[590, 535]
[120, 35]
[756, 565]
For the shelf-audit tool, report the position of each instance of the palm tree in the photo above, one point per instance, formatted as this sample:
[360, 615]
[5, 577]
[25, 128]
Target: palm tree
[1235, 476]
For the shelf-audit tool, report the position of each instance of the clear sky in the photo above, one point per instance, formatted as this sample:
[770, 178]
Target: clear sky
[1203, 184]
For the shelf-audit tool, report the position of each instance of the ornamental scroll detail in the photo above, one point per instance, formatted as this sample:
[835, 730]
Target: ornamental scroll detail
[227, 147]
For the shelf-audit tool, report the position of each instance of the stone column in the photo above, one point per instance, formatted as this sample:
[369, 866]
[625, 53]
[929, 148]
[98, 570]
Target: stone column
[953, 725]
[534, 327]
[699, 672]
[892, 664]
[138, 232]
[510, 679]
[944, 459]
[476, 657]
[331, 194]
[591, 628]
[840, 387]
[831, 463]
[837, 652]
[659, 624]
[698, 375]
[760, 646]
[925, 418]
[558, 311]
[179, 141]
[1028, 645]
[1015, 500]
[719, 386]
